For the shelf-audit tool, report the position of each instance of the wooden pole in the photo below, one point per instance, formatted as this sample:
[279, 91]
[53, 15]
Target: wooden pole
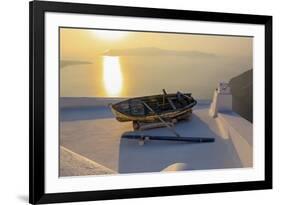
[161, 119]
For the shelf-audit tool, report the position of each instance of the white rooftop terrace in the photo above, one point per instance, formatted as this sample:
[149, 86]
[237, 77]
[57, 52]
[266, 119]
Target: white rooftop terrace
[94, 133]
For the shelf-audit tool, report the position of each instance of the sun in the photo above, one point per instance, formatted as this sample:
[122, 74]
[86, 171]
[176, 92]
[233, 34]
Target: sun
[110, 35]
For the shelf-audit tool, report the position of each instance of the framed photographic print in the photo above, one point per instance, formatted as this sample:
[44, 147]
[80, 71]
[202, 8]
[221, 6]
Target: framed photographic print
[140, 102]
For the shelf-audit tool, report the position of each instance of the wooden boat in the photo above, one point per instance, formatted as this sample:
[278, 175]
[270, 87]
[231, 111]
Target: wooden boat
[148, 109]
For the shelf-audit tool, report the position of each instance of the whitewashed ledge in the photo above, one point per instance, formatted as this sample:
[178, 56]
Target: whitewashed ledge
[86, 102]
[240, 131]
[73, 164]
[232, 125]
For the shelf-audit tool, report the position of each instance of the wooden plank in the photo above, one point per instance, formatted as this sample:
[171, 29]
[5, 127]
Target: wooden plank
[171, 103]
[146, 126]
[169, 99]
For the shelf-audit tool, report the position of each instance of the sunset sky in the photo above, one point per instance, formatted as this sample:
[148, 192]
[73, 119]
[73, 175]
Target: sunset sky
[104, 63]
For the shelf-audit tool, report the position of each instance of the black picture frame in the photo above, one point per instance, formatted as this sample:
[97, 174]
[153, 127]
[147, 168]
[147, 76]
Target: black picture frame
[37, 9]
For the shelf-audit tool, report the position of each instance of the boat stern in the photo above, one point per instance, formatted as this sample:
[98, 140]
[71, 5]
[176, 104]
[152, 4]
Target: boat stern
[118, 115]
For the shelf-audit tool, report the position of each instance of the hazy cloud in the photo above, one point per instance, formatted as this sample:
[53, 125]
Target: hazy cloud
[152, 51]
[65, 63]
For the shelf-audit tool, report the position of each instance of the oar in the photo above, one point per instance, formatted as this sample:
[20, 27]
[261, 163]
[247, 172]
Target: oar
[169, 138]
[161, 119]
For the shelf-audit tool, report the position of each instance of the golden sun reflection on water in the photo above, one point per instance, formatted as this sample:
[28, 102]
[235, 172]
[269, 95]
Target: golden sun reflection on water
[112, 76]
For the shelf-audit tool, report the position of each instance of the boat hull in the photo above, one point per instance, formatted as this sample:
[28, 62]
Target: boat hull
[169, 116]
[167, 107]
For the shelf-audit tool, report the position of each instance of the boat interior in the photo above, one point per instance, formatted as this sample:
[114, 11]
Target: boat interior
[158, 104]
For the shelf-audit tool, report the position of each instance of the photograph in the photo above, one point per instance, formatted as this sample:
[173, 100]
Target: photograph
[132, 102]
[136, 101]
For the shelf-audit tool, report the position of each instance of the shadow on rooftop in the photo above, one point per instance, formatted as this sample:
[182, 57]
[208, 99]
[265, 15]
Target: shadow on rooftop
[155, 156]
